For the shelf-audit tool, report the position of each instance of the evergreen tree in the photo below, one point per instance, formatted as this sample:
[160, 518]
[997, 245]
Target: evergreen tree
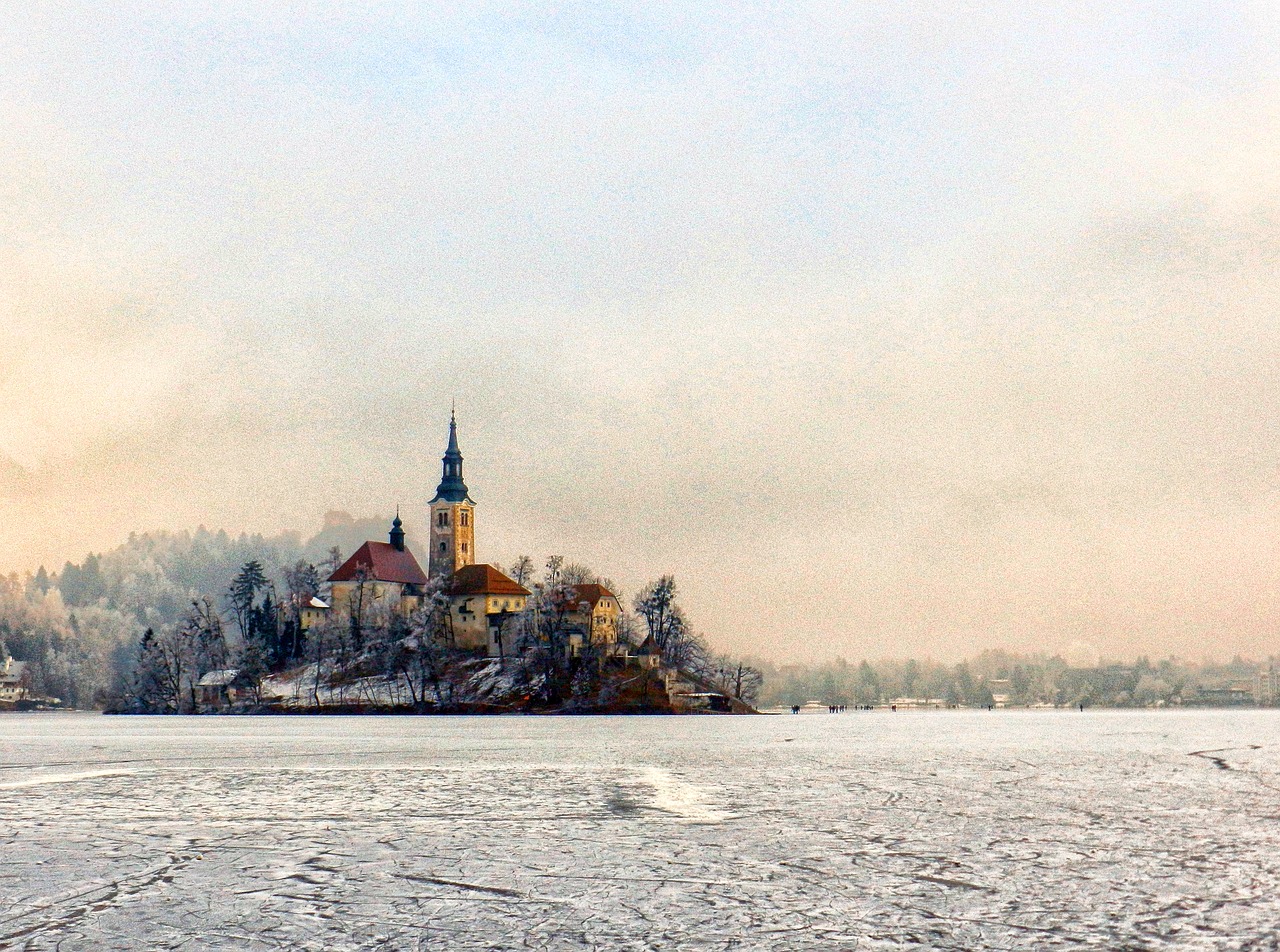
[265, 629]
[244, 590]
[82, 584]
[151, 689]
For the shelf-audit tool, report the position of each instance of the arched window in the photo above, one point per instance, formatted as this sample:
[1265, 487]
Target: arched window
[442, 517]
[464, 517]
[443, 547]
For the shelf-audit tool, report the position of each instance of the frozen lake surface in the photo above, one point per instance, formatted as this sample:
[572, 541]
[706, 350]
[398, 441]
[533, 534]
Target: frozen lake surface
[946, 830]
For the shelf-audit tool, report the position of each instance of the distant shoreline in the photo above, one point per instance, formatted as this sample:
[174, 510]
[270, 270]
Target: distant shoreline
[355, 711]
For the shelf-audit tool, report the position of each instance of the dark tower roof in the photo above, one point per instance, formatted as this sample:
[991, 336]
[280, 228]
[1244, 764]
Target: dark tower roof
[452, 488]
[397, 533]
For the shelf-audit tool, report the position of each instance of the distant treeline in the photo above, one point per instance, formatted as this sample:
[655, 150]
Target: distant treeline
[1010, 679]
[78, 628]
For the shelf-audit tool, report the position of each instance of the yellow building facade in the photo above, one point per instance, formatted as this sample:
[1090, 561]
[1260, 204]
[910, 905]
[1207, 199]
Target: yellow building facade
[484, 606]
[594, 612]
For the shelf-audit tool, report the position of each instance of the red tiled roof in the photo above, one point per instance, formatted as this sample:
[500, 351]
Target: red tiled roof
[382, 562]
[484, 580]
[591, 594]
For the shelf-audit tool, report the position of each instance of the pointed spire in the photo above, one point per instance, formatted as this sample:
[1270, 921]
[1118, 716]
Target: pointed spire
[452, 488]
[453, 432]
[397, 533]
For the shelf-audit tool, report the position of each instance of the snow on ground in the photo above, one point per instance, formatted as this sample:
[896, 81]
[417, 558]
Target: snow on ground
[482, 680]
[947, 830]
[299, 689]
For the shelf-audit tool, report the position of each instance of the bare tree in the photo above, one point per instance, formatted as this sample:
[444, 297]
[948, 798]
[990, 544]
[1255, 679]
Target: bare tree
[666, 626]
[630, 631]
[545, 635]
[575, 573]
[201, 641]
[324, 640]
[737, 678]
[360, 606]
[175, 667]
[332, 562]
[521, 570]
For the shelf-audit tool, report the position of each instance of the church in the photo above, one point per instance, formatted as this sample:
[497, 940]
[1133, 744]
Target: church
[483, 599]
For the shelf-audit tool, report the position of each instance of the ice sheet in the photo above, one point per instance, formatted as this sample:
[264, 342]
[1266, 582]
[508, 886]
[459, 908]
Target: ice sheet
[948, 830]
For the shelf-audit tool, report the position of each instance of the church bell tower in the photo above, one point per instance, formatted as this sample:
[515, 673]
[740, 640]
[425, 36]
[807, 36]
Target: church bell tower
[453, 512]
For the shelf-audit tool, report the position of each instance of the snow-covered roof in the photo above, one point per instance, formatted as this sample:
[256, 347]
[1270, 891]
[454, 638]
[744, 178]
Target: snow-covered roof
[218, 679]
[318, 603]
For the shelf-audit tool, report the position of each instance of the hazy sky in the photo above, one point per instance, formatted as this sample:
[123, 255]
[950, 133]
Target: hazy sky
[888, 328]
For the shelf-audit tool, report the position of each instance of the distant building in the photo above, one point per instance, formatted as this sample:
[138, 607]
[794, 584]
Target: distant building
[1001, 691]
[1235, 693]
[483, 603]
[645, 654]
[1266, 685]
[718, 702]
[13, 681]
[909, 703]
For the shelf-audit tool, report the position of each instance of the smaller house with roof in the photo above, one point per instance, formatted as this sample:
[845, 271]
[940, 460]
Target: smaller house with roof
[217, 689]
[13, 681]
[313, 612]
[484, 602]
[593, 613]
[378, 574]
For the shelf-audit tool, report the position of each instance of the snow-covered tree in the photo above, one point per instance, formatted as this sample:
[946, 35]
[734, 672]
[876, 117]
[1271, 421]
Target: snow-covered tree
[427, 649]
